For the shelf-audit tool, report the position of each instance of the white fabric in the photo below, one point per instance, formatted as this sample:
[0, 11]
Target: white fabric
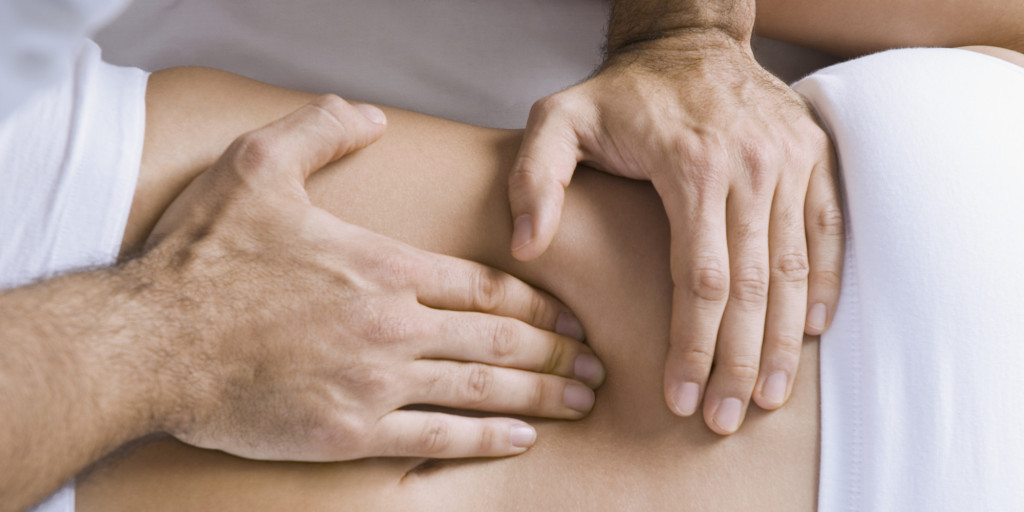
[40, 38]
[69, 161]
[921, 403]
[60, 501]
[477, 61]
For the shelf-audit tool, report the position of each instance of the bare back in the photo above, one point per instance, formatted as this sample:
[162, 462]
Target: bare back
[441, 186]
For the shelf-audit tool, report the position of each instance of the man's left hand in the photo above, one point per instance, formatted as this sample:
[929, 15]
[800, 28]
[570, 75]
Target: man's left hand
[746, 176]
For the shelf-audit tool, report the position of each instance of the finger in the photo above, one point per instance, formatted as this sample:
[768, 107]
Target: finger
[479, 387]
[447, 436]
[825, 244]
[738, 351]
[700, 271]
[306, 140]
[499, 341]
[546, 161]
[456, 284]
[787, 296]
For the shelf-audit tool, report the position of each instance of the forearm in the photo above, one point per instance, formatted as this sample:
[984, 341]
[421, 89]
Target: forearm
[74, 383]
[859, 27]
[641, 21]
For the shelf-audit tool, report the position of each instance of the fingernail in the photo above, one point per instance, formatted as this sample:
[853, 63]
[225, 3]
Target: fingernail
[523, 437]
[775, 388]
[568, 325]
[588, 368]
[816, 318]
[374, 114]
[522, 232]
[578, 397]
[727, 417]
[686, 399]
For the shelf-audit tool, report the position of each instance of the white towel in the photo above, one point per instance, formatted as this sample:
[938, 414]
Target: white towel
[921, 372]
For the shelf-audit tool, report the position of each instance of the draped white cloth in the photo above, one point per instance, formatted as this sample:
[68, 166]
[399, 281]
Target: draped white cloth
[921, 372]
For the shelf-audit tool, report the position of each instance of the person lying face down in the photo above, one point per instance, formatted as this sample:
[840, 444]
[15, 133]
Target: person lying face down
[86, 448]
[870, 445]
[175, 339]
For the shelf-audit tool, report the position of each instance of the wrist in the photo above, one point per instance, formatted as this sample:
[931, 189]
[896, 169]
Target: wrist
[686, 25]
[694, 51]
[163, 332]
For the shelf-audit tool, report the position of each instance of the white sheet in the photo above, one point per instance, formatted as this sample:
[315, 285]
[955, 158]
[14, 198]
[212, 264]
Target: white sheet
[478, 61]
[921, 403]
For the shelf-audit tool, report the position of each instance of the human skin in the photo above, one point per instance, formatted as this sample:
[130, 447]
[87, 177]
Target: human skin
[608, 263]
[441, 186]
[743, 171]
[741, 167]
[258, 324]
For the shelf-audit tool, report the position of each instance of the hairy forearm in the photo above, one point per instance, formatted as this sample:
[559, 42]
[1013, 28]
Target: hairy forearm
[848, 28]
[75, 379]
[640, 21]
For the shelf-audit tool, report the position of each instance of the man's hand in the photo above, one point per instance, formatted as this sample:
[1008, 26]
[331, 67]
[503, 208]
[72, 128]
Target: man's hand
[740, 164]
[307, 336]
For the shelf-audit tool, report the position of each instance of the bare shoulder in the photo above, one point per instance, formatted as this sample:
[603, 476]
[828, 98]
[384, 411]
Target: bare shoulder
[1001, 53]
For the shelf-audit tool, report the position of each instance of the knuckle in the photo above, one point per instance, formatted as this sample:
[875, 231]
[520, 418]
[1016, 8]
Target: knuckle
[707, 160]
[504, 340]
[710, 283]
[787, 346]
[791, 267]
[395, 268]
[254, 152]
[386, 327]
[827, 278]
[559, 352]
[741, 368]
[478, 385]
[750, 285]
[331, 103]
[488, 290]
[697, 356]
[369, 381]
[537, 395]
[829, 221]
[538, 310]
[551, 105]
[333, 111]
[489, 439]
[761, 161]
[435, 437]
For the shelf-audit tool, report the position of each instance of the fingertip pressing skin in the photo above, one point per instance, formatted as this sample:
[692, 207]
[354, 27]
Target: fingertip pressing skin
[372, 113]
[568, 325]
[532, 233]
[522, 437]
[725, 419]
[773, 391]
[684, 399]
[817, 316]
[588, 369]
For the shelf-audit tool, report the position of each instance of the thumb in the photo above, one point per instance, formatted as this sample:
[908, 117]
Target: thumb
[543, 168]
[306, 140]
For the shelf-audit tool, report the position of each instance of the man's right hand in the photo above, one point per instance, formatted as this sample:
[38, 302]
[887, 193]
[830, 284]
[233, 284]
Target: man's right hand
[298, 336]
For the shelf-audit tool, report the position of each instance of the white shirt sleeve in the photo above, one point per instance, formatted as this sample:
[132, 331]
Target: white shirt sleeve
[69, 162]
